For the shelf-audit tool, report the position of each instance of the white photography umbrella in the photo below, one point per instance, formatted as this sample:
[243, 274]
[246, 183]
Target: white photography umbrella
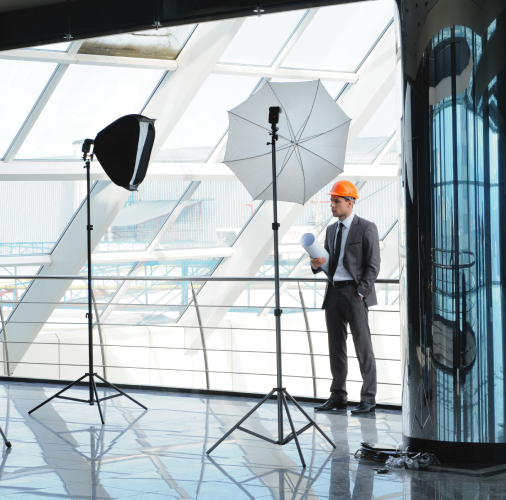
[308, 131]
[313, 131]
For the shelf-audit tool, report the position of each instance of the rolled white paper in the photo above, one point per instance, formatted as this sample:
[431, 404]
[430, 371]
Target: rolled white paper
[315, 249]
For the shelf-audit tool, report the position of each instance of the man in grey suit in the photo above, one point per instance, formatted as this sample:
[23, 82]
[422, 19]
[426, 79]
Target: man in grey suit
[354, 253]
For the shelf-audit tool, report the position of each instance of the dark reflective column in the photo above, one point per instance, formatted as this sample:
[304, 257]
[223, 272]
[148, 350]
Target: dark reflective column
[453, 246]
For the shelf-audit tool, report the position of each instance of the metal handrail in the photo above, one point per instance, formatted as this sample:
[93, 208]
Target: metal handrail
[201, 327]
[176, 278]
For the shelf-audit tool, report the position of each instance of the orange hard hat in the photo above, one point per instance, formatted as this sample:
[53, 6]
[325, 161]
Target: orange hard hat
[344, 189]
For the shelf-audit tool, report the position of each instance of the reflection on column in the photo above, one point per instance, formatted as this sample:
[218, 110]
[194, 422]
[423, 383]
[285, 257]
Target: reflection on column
[454, 168]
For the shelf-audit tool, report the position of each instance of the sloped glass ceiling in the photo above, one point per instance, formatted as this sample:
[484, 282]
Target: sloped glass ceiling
[338, 38]
[164, 43]
[87, 99]
[142, 217]
[261, 38]
[21, 84]
[35, 213]
[214, 217]
[375, 135]
[206, 121]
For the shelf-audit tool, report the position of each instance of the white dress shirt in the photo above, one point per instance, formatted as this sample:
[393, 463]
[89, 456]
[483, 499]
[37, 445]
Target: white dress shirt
[341, 273]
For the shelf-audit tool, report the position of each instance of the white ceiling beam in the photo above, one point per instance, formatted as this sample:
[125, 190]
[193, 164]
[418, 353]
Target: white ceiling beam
[295, 74]
[19, 260]
[294, 38]
[73, 57]
[159, 255]
[73, 171]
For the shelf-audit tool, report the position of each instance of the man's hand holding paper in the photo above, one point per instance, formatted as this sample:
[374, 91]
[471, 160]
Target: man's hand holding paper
[319, 256]
[318, 262]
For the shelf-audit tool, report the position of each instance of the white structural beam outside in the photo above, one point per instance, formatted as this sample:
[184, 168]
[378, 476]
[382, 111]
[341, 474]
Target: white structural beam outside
[73, 171]
[69, 256]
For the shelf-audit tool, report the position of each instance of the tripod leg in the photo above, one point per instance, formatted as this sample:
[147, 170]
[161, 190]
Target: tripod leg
[241, 421]
[96, 397]
[6, 441]
[309, 418]
[293, 429]
[58, 393]
[119, 390]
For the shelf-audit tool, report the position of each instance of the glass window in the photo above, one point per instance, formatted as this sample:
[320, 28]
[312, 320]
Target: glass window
[21, 84]
[87, 99]
[378, 203]
[13, 289]
[142, 216]
[35, 213]
[214, 217]
[261, 38]
[206, 119]
[164, 43]
[338, 38]
[104, 290]
[161, 302]
[375, 135]
[391, 157]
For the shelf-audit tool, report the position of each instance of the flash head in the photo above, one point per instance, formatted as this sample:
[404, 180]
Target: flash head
[274, 112]
[87, 145]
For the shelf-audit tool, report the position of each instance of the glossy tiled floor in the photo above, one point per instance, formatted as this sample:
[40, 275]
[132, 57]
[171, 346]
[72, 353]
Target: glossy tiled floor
[62, 451]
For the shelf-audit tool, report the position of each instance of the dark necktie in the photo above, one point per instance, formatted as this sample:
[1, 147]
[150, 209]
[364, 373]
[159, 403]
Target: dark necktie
[337, 249]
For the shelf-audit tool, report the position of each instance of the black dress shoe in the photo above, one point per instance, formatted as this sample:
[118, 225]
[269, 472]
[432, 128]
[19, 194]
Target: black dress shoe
[363, 407]
[331, 404]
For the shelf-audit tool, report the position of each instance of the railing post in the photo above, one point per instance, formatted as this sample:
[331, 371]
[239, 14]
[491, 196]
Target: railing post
[202, 336]
[5, 342]
[309, 340]
[100, 336]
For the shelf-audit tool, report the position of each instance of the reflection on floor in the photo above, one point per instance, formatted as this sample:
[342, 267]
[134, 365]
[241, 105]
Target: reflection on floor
[62, 451]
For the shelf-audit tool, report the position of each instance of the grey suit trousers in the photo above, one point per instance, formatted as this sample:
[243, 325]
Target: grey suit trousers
[344, 306]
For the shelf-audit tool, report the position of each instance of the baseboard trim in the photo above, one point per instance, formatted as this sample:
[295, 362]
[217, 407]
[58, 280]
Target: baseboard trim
[187, 390]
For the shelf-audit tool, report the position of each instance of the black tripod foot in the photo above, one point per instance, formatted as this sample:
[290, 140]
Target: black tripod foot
[93, 394]
[8, 444]
[285, 396]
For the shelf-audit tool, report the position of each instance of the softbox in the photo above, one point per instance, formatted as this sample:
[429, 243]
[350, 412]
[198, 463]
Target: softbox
[123, 148]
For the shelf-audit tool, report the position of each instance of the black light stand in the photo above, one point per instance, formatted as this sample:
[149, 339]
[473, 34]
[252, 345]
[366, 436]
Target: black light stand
[87, 157]
[282, 393]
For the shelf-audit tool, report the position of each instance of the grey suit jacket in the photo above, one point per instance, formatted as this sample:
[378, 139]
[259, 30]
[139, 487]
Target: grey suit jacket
[361, 257]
